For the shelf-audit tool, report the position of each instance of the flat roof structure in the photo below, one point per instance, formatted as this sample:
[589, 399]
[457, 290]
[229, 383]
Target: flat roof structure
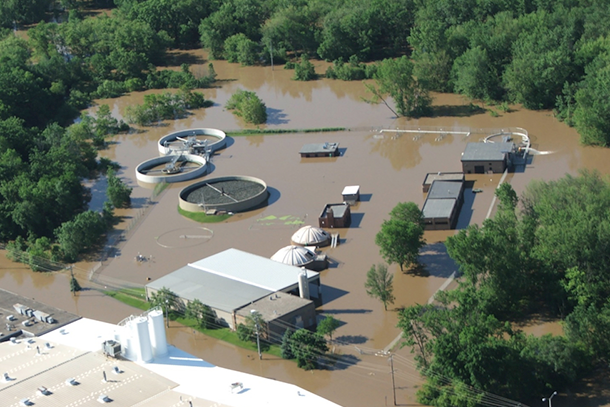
[338, 210]
[487, 151]
[29, 324]
[219, 292]
[351, 190]
[441, 176]
[438, 208]
[319, 150]
[274, 306]
[231, 279]
[171, 380]
[445, 189]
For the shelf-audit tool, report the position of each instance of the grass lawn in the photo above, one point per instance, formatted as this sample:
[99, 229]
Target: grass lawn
[202, 217]
[131, 296]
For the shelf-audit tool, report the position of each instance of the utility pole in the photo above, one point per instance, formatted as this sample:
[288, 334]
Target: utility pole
[393, 383]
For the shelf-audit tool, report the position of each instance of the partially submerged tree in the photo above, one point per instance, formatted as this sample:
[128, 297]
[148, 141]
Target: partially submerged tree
[307, 347]
[379, 284]
[401, 237]
[394, 77]
[248, 106]
[328, 326]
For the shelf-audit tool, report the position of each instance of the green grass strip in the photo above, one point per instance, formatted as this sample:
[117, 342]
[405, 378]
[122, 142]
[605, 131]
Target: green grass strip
[135, 298]
[248, 132]
[130, 296]
[201, 217]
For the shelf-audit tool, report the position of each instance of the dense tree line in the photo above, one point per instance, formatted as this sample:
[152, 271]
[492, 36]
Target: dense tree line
[548, 258]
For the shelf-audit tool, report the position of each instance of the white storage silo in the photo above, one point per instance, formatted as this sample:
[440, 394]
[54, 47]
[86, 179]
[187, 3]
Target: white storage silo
[142, 338]
[156, 329]
[303, 285]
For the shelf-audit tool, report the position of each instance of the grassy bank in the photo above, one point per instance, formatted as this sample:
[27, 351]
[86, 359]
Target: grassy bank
[201, 217]
[248, 132]
[135, 297]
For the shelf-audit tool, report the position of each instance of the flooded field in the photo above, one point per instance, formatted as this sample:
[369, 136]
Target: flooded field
[389, 168]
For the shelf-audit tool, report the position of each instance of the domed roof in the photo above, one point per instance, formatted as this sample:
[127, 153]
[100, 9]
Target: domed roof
[294, 256]
[310, 236]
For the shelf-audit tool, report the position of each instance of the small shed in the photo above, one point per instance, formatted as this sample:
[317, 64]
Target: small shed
[320, 150]
[337, 215]
[482, 158]
[351, 194]
[441, 176]
[442, 207]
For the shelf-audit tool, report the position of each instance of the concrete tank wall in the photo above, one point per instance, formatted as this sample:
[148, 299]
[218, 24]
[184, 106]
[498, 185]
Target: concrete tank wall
[157, 178]
[217, 145]
[240, 206]
[156, 329]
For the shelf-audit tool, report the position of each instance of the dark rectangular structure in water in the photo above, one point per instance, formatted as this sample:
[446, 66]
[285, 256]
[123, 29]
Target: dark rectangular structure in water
[335, 216]
[442, 206]
[320, 150]
[482, 158]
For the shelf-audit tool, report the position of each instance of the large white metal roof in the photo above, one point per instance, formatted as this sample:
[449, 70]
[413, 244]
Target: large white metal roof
[252, 269]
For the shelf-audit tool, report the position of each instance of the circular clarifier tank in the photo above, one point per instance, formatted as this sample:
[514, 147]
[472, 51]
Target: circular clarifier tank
[171, 168]
[192, 141]
[237, 193]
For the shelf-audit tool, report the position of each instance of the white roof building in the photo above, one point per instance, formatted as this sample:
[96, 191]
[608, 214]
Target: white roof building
[69, 366]
[294, 256]
[311, 236]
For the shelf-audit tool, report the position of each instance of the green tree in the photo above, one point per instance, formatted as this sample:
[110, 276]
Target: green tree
[204, 315]
[474, 76]
[164, 298]
[74, 285]
[394, 77]
[401, 237]
[248, 106]
[304, 70]
[239, 48]
[380, 284]
[328, 326]
[285, 347]
[80, 234]
[307, 347]
[118, 193]
[253, 323]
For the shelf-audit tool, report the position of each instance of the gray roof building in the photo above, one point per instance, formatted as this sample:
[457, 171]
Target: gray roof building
[441, 176]
[442, 206]
[320, 150]
[487, 151]
[233, 279]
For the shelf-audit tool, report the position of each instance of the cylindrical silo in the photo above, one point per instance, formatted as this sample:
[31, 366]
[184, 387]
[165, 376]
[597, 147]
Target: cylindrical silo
[156, 329]
[304, 285]
[141, 336]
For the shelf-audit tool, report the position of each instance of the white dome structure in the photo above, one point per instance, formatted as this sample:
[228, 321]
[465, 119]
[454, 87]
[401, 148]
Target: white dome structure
[294, 256]
[311, 236]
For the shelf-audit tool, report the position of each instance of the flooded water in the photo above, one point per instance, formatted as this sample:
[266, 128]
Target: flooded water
[389, 168]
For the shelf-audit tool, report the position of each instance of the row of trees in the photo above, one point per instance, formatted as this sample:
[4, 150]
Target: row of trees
[305, 346]
[548, 258]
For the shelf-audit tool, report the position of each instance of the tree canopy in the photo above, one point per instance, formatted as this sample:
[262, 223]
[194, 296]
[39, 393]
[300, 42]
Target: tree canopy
[543, 254]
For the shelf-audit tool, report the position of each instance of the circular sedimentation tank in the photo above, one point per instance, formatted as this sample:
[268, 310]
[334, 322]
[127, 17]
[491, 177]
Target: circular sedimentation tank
[192, 141]
[171, 168]
[236, 193]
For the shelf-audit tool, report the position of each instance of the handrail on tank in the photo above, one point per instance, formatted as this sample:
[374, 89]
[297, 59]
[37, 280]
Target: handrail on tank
[144, 314]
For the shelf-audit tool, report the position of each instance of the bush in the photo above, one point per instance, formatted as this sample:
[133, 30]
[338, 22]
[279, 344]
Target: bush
[109, 89]
[248, 106]
[352, 71]
[304, 70]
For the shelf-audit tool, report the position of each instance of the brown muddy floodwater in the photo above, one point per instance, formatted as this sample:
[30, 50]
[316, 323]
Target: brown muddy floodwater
[389, 168]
